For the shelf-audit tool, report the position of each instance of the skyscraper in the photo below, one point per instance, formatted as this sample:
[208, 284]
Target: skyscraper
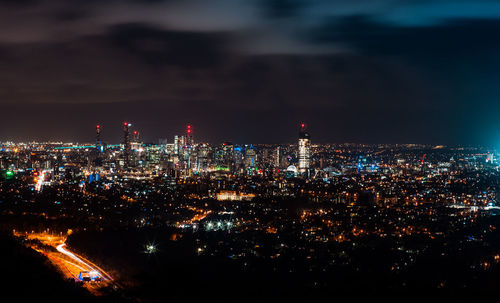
[126, 143]
[177, 145]
[304, 150]
[250, 158]
[188, 147]
[277, 157]
[98, 143]
[99, 148]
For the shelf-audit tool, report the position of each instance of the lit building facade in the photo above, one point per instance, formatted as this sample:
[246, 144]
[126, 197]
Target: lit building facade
[304, 150]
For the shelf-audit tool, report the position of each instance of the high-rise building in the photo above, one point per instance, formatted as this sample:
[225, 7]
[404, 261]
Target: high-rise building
[277, 157]
[188, 147]
[135, 144]
[136, 136]
[250, 158]
[98, 142]
[126, 143]
[304, 150]
[177, 145]
[99, 147]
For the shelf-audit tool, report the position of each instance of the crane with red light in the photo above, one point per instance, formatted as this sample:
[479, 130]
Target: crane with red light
[189, 136]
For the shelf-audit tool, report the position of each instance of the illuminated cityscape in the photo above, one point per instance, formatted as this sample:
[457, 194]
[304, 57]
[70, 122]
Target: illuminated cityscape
[278, 209]
[304, 151]
[249, 151]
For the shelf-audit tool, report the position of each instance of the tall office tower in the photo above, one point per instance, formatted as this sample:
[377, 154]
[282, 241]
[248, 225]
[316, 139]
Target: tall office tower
[304, 150]
[176, 145]
[99, 148]
[250, 157]
[135, 144]
[136, 136]
[227, 151]
[277, 157]
[188, 147]
[126, 143]
[98, 142]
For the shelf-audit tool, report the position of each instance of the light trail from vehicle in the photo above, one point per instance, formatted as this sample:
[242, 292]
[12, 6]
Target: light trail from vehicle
[90, 267]
[60, 248]
[70, 264]
[75, 265]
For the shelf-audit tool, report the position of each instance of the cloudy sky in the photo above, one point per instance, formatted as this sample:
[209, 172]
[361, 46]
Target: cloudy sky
[372, 71]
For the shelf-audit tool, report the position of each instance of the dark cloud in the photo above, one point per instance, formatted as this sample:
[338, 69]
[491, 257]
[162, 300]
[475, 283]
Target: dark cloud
[458, 57]
[249, 70]
[254, 98]
[283, 8]
[158, 47]
[457, 37]
[18, 3]
[69, 15]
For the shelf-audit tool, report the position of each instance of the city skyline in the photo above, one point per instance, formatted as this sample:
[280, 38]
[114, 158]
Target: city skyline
[116, 136]
[250, 150]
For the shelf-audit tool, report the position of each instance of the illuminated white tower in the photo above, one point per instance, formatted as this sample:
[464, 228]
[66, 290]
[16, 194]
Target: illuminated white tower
[277, 158]
[304, 150]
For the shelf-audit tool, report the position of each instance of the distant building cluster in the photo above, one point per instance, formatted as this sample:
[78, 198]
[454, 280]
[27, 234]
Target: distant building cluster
[181, 157]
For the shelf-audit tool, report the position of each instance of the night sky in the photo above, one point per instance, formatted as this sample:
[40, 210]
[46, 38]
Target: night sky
[368, 71]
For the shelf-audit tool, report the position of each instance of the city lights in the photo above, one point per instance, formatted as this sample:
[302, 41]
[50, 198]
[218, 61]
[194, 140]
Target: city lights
[257, 205]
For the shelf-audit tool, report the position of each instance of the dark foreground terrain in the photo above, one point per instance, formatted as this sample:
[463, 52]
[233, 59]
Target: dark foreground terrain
[29, 277]
[175, 272]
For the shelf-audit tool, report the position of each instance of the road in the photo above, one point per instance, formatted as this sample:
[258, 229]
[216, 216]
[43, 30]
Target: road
[69, 263]
[82, 264]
